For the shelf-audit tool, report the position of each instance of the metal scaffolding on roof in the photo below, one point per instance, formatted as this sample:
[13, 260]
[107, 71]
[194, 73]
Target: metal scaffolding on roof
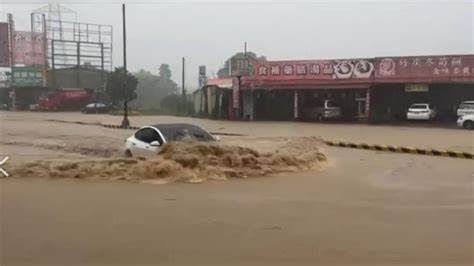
[72, 43]
[82, 44]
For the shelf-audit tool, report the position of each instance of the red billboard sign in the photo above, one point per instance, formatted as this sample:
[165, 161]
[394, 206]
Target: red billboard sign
[344, 69]
[28, 48]
[424, 68]
[4, 45]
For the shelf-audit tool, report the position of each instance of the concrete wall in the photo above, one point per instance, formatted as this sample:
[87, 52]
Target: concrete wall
[212, 102]
[199, 102]
[211, 99]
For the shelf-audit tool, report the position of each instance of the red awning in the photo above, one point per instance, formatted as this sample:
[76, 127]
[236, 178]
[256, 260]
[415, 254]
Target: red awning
[465, 80]
[305, 84]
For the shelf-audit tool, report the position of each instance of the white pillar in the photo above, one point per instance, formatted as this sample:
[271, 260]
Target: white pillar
[295, 111]
[367, 104]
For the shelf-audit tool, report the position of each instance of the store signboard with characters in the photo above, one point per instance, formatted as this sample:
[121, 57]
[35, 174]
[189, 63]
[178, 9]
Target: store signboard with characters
[424, 68]
[345, 69]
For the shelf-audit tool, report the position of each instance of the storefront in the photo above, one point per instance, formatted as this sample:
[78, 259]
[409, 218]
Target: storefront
[29, 84]
[443, 81]
[214, 100]
[379, 89]
[290, 90]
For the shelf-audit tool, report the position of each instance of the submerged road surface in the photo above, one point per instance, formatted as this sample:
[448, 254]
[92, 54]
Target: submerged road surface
[365, 209]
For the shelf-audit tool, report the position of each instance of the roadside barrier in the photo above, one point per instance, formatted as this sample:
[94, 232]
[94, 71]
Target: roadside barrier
[401, 149]
[72, 122]
[119, 127]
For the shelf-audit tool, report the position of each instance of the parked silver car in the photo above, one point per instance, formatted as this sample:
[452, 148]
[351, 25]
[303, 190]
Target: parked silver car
[325, 109]
[466, 121]
[466, 108]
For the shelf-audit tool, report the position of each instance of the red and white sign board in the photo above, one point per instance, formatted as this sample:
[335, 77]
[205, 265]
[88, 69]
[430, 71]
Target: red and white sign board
[424, 68]
[313, 69]
[28, 48]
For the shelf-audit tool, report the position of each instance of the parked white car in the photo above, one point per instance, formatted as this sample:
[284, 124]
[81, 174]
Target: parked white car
[421, 111]
[149, 140]
[466, 108]
[466, 121]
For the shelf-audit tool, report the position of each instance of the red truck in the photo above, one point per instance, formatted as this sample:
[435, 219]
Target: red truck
[65, 99]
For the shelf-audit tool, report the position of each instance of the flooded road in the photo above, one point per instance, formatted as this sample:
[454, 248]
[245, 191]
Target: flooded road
[362, 208]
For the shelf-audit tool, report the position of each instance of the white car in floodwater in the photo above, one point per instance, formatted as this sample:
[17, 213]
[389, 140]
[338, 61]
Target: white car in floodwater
[149, 140]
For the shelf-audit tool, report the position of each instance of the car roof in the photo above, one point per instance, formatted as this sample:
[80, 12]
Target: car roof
[420, 104]
[175, 126]
[467, 102]
[172, 131]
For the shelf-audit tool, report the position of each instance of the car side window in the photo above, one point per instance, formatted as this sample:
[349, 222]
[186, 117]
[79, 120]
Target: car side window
[148, 135]
[144, 135]
[140, 134]
[467, 105]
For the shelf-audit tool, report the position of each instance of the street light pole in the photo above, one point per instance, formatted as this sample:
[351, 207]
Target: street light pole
[240, 109]
[11, 29]
[125, 122]
[183, 85]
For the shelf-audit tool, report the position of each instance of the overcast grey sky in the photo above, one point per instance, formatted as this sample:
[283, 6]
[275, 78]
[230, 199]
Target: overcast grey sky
[207, 32]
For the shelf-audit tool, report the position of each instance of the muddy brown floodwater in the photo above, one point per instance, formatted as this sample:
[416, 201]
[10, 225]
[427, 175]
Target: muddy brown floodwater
[355, 208]
[187, 161]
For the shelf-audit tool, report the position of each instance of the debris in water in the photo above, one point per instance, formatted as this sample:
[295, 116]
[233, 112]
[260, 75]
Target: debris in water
[192, 162]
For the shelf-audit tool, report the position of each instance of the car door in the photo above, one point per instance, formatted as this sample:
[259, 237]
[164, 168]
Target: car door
[153, 149]
[141, 146]
[141, 141]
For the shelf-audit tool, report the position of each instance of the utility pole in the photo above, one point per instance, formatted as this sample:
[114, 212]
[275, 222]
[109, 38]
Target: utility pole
[245, 50]
[11, 29]
[125, 122]
[240, 109]
[183, 83]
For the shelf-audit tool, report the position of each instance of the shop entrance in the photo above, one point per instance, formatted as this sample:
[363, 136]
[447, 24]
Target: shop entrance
[362, 106]
[390, 102]
[274, 104]
[352, 102]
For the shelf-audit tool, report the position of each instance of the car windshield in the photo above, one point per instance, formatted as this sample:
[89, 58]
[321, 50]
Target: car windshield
[467, 106]
[418, 106]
